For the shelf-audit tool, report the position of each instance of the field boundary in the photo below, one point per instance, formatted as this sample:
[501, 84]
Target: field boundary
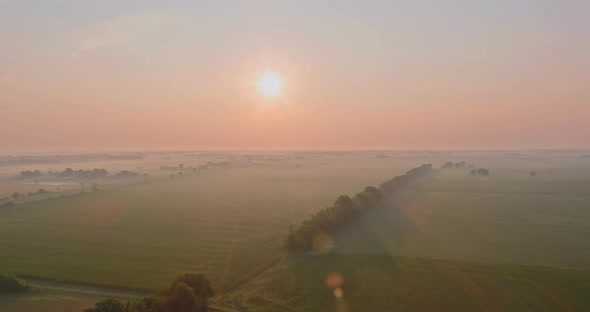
[104, 291]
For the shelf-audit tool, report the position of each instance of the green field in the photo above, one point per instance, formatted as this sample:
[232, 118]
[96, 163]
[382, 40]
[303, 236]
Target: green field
[498, 219]
[507, 242]
[228, 224]
[384, 283]
[47, 301]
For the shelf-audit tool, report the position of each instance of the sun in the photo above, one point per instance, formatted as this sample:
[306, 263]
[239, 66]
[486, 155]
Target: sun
[269, 84]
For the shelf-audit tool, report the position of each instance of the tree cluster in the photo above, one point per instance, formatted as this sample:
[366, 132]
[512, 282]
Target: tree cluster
[181, 167]
[480, 171]
[450, 165]
[39, 192]
[83, 174]
[172, 168]
[30, 174]
[188, 293]
[12, 284]
[126, 173]
[218, 164]
[345, 210]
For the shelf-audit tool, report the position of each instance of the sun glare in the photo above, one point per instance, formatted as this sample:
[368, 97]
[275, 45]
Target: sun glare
[269, 84]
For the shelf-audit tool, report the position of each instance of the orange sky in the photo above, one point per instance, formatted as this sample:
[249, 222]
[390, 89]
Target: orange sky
[367, 75]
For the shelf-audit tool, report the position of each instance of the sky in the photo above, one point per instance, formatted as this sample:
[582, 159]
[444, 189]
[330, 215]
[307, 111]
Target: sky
[181, 75]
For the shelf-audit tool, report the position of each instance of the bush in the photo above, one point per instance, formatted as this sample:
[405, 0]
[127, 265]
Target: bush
[12, 284]
[114, 305]
[198, 282]
[483, 171]
[188, 293]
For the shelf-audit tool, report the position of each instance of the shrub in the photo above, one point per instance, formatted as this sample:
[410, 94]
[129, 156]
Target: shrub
[483, 171]
[11, 284]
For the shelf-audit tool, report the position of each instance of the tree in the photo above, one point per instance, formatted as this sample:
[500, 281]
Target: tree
[114, 305]
[30, 174]
[483, 171]
[67, 173]
[345, 210]
[473, 172]
[8, 204]
[11, 284]
[183, 299]
[15, 195]
[198, 282]
[533, 174]
[448, 164]
[188, 293]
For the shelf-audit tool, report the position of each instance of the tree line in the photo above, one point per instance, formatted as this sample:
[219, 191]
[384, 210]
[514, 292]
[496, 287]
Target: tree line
[83, 174]
[188, 293]
[345, 210]
[463, 165]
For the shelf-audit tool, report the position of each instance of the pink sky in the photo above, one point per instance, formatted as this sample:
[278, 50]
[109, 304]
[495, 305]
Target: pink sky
[386, 75]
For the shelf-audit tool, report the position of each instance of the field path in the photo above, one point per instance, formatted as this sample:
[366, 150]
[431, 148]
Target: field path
[90, 290]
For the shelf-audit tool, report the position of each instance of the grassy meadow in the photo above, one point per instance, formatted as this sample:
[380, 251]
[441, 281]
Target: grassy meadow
[227, 223]
[506, 242]
[499, 219]
[47, 301]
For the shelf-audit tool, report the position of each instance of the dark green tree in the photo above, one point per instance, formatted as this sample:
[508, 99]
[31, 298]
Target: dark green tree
[483, 171]
[11, 284]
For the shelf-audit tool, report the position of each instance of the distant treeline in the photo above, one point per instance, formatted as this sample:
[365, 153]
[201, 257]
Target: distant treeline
[83, 174]
[463, 165]
[345, 210]
[127, 173]
[181, 167]
[209, 164]
[459, 165]
[95, 173]
[30, 174]
[47, 159]
[68, 173]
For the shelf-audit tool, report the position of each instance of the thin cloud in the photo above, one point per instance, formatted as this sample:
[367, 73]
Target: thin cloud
[122, 29]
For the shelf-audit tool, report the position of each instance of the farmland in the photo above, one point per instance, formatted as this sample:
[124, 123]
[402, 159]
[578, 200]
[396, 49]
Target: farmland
[538, 221]
[451, 240]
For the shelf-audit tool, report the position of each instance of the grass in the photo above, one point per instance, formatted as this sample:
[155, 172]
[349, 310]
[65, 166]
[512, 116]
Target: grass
[46, 301]
[226, 224]
[454, 242]
[383, 283]
[467, 218]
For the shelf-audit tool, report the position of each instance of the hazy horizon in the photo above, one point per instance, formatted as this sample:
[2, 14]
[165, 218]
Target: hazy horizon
[375, 75]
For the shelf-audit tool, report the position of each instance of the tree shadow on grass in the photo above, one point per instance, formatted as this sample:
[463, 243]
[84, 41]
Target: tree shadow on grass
[382, 228]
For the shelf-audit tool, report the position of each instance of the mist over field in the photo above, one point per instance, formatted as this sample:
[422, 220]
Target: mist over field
[84, 227]
[262, 156]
